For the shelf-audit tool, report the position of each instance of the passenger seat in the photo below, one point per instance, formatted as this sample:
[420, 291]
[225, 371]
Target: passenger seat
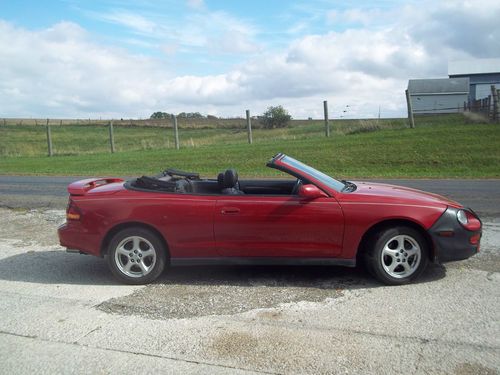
[228, 182]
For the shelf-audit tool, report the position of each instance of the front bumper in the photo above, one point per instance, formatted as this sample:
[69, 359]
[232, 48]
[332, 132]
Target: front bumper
[451, 240]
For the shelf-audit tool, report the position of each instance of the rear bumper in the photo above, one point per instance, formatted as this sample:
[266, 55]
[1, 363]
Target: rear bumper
[451, 240]
[73, 236]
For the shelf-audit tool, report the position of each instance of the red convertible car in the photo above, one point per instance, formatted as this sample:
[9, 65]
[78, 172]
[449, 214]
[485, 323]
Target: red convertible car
[178, 218]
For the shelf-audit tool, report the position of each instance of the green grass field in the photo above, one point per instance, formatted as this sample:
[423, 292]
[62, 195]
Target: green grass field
[439, 147]
[30, 140]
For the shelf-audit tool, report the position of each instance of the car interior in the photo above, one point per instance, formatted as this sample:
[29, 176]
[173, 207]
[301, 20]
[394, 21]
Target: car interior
[227, 183]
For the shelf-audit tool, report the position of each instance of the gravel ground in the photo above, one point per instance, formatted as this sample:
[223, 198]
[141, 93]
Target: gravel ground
[65, 313]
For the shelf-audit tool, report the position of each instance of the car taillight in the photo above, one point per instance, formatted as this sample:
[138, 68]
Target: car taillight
[72, 211]
[468, 220]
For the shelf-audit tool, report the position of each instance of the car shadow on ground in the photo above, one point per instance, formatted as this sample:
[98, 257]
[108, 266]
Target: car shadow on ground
[326, 277]
[59, 267]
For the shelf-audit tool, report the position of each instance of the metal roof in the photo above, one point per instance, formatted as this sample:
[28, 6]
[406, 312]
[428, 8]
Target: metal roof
[439, 86]
[474, 66]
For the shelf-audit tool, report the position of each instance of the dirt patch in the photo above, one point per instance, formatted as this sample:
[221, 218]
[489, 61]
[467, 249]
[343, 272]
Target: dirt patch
[233, 344]
[31, 226]
[473, 369]
[278, 347]
[201, 291]
[280, 350]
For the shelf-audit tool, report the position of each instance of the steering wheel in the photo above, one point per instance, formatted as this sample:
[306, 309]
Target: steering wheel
[295, 190]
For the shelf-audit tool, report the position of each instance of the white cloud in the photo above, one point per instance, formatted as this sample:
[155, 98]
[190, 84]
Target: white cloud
[61, 71]
[352, 16]
[133, 21]
[196, 4]
[214, 31]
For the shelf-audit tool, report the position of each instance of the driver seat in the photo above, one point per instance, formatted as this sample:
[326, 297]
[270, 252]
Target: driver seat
[228, 182]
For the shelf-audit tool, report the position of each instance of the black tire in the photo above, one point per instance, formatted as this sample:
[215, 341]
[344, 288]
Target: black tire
[390, 248]
[140, 251]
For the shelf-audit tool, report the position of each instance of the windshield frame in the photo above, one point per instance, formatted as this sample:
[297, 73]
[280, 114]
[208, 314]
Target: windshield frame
[303, 171]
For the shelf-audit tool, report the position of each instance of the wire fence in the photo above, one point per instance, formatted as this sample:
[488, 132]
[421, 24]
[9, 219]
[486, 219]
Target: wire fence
[37, 137]
[66, 137]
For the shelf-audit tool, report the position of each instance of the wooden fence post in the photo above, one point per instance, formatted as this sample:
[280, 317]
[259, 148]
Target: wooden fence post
[496, 106]
[111, 137]
[49, 139]
[410, 109]
[176, 132]
[327, 123]
[249, 127]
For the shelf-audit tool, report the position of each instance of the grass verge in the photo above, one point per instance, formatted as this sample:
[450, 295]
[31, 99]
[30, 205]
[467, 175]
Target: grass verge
[449, 150]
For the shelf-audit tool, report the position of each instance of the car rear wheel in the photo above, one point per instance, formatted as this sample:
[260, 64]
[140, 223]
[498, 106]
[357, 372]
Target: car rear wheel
[136, 256]
[397, 255]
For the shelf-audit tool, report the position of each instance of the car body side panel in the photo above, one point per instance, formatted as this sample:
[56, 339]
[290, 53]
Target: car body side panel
[185, 221]
[278, 226]
[361, 216]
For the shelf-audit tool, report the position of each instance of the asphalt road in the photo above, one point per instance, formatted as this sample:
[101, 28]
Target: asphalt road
[31, 191]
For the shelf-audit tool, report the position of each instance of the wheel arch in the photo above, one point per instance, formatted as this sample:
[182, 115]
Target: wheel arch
[131, 224]
[389, 223]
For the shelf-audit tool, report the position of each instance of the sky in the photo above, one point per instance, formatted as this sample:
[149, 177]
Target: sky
[128, 59]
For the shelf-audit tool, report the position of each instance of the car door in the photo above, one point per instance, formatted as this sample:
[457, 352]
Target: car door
[277, 226]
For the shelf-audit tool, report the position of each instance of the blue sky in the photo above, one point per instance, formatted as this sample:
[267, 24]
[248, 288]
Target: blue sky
[137, 25]
[73, 58]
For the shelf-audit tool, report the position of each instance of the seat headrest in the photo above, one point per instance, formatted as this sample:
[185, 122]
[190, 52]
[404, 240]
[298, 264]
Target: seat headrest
[183, 186]
[220, 180]
[230, 178]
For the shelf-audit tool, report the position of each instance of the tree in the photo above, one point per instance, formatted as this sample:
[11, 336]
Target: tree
[160, 115]
[190, 115]
[275, 117]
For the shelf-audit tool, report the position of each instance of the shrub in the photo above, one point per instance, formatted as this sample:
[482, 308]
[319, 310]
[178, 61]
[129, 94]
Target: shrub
[275, 117]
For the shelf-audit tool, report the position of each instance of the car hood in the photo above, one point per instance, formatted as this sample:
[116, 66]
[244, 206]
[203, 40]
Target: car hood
[385, 193]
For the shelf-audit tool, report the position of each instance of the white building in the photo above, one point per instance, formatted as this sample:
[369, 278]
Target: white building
[442, 95]
[482, 73]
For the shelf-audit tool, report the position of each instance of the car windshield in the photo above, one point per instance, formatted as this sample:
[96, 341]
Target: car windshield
[320, 176]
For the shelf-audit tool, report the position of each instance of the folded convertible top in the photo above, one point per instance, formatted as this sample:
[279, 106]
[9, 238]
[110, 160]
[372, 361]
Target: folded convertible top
[152, 183]
[176, 172]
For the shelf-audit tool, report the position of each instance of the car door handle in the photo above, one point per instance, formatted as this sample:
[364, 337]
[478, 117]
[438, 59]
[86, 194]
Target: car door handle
[229, 211]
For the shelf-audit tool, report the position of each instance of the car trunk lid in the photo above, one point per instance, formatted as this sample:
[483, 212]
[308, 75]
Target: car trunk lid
[106, 185]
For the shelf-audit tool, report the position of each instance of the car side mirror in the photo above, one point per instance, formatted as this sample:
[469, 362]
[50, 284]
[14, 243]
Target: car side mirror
[310, 191]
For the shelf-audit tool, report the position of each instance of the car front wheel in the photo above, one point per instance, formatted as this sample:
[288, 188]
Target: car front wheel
[136, 256]
[397, 255]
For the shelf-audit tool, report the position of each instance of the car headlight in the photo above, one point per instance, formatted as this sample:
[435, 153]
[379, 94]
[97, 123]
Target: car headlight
[462, 217]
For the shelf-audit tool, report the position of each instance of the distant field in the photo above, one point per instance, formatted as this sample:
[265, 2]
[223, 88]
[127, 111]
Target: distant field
[440, 147]
[19, 138]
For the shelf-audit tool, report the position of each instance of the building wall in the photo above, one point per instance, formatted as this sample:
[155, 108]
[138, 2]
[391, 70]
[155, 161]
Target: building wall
[438, 103]
[480, 84]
